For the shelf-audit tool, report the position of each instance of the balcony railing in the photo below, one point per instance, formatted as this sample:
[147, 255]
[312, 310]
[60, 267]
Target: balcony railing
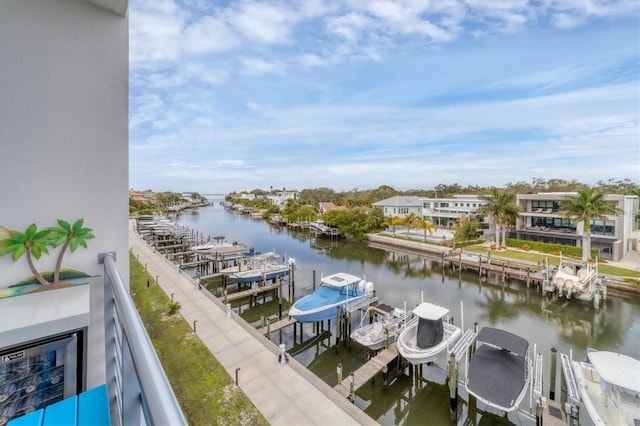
[139, 392]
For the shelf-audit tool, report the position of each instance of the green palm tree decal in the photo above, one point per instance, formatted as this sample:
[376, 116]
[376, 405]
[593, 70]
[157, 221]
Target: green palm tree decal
[32, 242]
[588, 204]
[69, 236]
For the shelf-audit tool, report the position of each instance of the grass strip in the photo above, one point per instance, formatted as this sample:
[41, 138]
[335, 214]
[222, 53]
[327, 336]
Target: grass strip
[203, 387]
[536, 257]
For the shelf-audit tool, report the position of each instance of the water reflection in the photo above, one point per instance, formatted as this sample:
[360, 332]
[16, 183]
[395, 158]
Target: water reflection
[399, 277]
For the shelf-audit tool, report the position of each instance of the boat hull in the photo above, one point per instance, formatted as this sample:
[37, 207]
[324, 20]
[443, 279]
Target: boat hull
[603, 407]
[258, 275]
[408, 349]
[322, 312]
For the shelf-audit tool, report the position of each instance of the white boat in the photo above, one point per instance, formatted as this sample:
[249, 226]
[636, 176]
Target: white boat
[268, 268]
[609, 386]
[216, 243]
[337, 290]
[428, 335]
[499, 369]
[574, 277]
[386, 324]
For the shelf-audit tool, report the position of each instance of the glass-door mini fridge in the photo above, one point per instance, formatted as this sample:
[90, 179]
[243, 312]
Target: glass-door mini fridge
[38, 374]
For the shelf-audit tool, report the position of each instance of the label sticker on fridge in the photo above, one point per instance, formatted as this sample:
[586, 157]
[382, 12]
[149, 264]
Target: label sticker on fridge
[12, 357]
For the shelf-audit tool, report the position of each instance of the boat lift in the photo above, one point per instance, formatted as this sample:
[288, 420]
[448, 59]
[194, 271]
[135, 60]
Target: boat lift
[572, 406]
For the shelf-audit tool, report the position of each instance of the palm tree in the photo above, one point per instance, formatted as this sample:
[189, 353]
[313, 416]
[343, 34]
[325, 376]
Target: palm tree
[587, 205]
[32, 242]
[395, 222]
[69, 236]
[502, 209]
[427, 226]
[510, 213]
[410, 221]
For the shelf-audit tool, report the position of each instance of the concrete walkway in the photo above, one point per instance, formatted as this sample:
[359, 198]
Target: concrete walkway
[285, 394]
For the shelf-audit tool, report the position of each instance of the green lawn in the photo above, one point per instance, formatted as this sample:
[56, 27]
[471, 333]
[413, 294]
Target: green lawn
[204, 389]
[536, 257]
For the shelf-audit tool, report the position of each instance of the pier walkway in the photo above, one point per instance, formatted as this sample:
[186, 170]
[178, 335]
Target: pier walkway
[286, 393]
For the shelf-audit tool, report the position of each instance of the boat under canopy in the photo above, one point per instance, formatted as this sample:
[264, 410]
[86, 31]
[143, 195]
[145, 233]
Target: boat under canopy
[430, 328]
[499, 369]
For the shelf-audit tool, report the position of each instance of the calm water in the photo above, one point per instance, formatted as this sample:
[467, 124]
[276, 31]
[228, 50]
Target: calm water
[401, 278]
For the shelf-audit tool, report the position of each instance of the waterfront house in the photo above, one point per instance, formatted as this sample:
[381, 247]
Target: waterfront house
[445, 212]
[281, 197]
[326, 207]
[400, 206]
[541, 219]
[64, 109]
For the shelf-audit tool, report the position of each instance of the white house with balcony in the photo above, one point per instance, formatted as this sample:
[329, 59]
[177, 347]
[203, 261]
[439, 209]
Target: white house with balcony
[64, 136]
[281, 197]
[541, 219]
[445, 212]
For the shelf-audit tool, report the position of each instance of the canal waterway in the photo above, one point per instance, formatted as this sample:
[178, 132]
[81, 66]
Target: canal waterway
[404, 278]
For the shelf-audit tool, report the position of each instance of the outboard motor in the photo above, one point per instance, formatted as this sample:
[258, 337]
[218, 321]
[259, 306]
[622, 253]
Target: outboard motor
[291, 262]
[361, 285]
[368, 288]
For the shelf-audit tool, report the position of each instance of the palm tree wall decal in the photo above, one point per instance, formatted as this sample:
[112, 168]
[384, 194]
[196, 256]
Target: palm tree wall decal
[33, 243]
[588, 204]
[70, 237]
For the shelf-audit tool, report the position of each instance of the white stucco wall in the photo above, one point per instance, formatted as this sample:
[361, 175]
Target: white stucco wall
[64, 135]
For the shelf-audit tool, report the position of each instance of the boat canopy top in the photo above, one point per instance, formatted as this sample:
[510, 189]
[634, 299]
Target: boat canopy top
[430, 333]
[617, 369]
[504, 340]
[429, 311]
[340, 279]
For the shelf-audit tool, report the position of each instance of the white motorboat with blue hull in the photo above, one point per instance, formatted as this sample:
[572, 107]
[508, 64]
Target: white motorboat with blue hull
[337, 290]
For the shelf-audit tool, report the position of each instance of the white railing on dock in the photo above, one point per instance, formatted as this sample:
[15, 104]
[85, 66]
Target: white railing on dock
[363, 303]
[572, 386]
[139, 391]
[462, 345]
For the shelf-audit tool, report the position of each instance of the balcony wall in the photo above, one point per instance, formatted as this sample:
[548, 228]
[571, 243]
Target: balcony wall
[64, 136]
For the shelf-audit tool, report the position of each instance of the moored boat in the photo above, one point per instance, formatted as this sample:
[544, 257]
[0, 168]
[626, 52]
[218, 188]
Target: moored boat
[386, 324]
[427, 335]
[268, 268]
[336, 290]
[499, 369]
[575, 278]
[609, 386]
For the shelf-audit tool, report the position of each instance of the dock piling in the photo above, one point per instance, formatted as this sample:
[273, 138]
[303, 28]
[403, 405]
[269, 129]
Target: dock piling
[552, 375]
[453, 387]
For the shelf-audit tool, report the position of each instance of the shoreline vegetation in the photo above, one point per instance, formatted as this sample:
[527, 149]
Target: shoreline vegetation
[203, 387]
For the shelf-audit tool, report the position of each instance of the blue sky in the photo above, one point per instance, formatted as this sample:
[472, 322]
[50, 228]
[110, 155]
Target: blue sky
[238, 95]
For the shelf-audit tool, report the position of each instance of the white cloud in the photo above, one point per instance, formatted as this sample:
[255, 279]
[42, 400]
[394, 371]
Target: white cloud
[209, 35]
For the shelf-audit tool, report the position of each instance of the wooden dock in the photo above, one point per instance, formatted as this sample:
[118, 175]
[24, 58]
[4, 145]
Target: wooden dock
[251, 292]
[507, 268]
[553, 414]
[278, 325]
[367, 372]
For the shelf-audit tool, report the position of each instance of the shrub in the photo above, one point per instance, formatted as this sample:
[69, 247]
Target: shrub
[173, 307]
[555, 249]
